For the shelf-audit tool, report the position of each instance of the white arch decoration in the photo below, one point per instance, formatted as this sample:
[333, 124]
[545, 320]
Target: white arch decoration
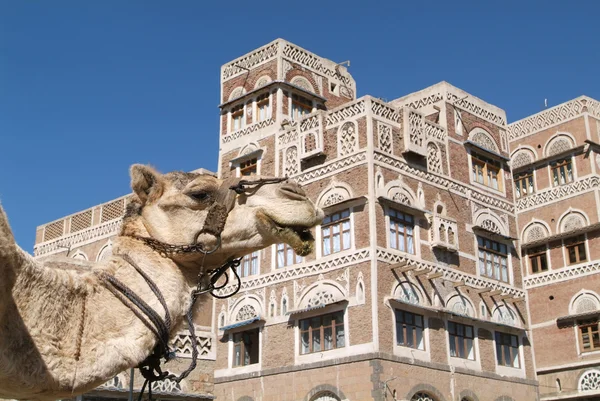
[522, 157]
[584, 301]
[285, 302]
[237, 92]
[360, 289]
[105, 251]
[408, 292]
[262, 81]
[249, 148]
[336, 192]
[490, 221]
[534, 231]
[483, 138]
[506, 315]
[246, 306]
[399, 192]
[79, 254]
[559, 143]
[321, 293]
[460, 304]
[303, 83]
[572, 219]
[590, 380]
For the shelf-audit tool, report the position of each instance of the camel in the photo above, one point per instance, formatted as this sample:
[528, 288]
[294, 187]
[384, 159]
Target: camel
[63, 333]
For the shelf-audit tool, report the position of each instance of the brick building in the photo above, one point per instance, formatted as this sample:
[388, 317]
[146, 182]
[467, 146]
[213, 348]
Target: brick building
[418, 285]
[555, 161]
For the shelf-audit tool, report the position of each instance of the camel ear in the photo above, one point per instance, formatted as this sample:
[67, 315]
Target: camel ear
[146, 182]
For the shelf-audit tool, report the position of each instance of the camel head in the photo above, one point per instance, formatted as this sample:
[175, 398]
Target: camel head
[177, 208]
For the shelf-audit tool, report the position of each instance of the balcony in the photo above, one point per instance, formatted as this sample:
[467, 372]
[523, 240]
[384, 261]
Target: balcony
[444, 233]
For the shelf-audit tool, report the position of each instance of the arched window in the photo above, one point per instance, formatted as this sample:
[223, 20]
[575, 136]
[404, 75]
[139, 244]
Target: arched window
[421, 396]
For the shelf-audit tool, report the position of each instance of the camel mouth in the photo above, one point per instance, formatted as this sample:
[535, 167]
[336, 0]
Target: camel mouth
[298, 237]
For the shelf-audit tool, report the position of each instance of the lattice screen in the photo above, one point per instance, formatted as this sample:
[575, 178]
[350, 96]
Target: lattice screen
[113, 210]
[54, 230]
[81, 221]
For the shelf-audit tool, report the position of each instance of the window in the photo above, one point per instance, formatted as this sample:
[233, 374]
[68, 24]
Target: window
[245, 348]
[237, 117]
[402, 231]
[262, 105]
[538, 260]
[493, 259]
[562, 172]
[301, 106]
[335, 230]
[461, 341]
[286, 256]
[589, 337]
[249, 167]
[409, 330]
[487, 172]
[507, 350]
[249, 265]
[322, 333]
[576, 250]
[524, 184]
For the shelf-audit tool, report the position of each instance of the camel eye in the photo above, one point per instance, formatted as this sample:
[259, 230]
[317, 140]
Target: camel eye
[199, 195]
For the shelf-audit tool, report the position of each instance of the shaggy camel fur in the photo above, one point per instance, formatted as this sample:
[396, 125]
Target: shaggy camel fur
[62, 333]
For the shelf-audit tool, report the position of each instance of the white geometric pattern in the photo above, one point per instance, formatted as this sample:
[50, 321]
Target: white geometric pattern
[351, 111]
[182, 343]
[313, 62]
[333, 168]
[166, 386]
[556, 193]
[248, 130]
[434, 162]
[322, 297]
[522, 158]
[348, 139]
[384, 137]
[572, 222]
[535, 231]
[383, 110]
[483, 139]
[464, 103]
[246, 312]
[291, 161]
[590, 380]
[552, 116]
[422, 397]
[585, 303]
[563, 274]
[242, 65]
[302, 270]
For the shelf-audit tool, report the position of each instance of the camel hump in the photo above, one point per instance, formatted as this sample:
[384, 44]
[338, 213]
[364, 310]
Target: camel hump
[6, 236]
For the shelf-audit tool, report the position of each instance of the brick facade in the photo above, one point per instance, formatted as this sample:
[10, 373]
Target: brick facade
[421, 191]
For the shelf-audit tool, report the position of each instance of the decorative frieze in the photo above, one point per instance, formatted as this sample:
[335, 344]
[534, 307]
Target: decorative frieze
[331, 168]
[414, 134]
[552, 116]
[243, 64]
[556, 276]
[434, 131]
[385, 111]
[302, 270]
[314, 63]
[553, 194]
[449, 273]
[426, 101]
[205, 343]
[248, 130]
[342, 114]
[79, 238]
[466, 104]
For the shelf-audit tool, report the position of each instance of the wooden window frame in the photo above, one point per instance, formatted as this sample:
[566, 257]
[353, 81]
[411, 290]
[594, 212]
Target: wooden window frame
[321, 332]
[555, 168]
[285, 247]
[522, 186]
[332, 223]
[462, 338]
[487, 165]
[237, 112]
[577, 243]
[537, 254]
[238, 341]
[262, 100]
[300, 103]
[396, 222]
[589, 326]
[249, 166]
[490, 250]
[247, 259]
[402, 325]
[505, 340]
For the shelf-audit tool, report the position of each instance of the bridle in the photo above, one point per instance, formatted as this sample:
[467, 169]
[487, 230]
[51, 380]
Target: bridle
[207, 283]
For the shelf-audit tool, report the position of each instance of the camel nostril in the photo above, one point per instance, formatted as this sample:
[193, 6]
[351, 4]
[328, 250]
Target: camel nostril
[293, 191]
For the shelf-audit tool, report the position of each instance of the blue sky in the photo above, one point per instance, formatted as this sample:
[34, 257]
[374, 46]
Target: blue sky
[89, 87]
